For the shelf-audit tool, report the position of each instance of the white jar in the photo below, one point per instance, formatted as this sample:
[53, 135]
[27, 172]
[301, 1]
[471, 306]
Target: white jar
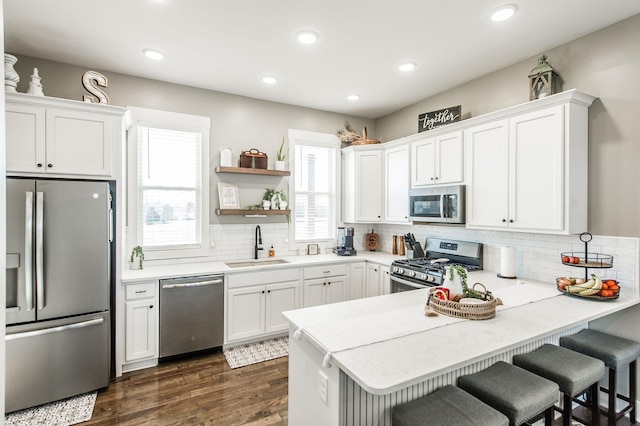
[225, 156]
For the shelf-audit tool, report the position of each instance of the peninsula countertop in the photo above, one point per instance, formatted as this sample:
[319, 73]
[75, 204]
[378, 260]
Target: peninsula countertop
[386, 343]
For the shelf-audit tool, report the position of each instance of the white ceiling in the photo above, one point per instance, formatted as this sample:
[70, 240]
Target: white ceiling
[229, 45]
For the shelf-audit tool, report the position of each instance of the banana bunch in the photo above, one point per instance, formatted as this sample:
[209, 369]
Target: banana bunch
[588, 288]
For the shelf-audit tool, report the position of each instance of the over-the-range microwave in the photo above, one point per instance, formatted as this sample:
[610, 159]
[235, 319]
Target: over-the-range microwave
[443, 204]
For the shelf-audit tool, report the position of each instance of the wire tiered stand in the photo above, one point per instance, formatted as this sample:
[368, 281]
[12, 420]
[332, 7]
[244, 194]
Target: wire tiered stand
[588, 261]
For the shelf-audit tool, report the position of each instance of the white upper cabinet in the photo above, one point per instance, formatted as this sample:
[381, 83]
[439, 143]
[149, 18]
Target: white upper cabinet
[61, 137]
[527, 170]
[362, 185]
[437, 160]
[396, 188]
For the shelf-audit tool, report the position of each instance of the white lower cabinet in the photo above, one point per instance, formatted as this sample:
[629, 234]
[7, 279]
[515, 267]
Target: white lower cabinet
[325, 284]
[374, 281]
[141, 321]
[256, 310]
[385, 274]
[357, 280]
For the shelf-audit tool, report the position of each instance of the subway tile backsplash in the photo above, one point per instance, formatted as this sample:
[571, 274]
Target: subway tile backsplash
[537, 255]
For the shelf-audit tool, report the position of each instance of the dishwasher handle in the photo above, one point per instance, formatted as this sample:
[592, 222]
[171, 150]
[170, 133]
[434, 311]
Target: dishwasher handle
[193, 284]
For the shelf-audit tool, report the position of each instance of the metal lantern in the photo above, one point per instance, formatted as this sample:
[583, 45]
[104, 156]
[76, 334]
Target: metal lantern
[542, 80]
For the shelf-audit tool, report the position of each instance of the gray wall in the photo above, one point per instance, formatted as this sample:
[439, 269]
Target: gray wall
[239, 122]
[605, 64]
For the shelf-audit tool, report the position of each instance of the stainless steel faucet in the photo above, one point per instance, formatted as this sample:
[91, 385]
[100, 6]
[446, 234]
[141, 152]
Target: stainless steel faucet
[258, 241]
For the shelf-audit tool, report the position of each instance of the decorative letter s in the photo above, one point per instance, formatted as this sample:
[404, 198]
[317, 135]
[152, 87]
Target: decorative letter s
[90, 80]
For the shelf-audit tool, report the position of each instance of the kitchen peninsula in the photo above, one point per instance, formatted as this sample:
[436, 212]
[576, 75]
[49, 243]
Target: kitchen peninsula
[351, 362]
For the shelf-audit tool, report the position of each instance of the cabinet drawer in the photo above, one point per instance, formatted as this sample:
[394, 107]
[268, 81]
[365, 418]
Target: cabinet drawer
[263, 277]
[141, 291]
[324, 271]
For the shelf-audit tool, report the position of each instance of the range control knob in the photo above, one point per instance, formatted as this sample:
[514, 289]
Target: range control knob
[411, 273]
[430, 278]
[398, 270]
[422, 276]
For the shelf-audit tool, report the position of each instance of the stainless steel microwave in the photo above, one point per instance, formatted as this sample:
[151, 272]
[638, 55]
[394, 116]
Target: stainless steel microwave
[443, 204]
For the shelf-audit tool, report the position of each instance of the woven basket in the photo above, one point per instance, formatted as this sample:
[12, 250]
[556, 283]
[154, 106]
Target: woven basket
[472, 311]
[364, 140]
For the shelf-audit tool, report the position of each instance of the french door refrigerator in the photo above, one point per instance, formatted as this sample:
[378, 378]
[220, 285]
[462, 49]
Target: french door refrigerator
[58, 334]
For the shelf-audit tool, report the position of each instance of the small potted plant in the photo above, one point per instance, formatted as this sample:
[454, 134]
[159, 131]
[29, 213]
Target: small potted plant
[280, 155]
[136, 258]
[277, 198]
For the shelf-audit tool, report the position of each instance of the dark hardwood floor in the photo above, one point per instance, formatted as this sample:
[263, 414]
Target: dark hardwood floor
[202, 390]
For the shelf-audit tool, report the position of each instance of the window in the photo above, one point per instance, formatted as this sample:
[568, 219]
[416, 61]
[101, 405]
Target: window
[315, 183]
[168, 184]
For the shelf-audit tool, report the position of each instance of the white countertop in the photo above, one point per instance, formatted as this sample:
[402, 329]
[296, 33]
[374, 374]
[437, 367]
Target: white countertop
[208, 268]
[386, 343]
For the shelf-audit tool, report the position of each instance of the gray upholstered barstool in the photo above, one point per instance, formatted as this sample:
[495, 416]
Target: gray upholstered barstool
[572, 371]
[616, 353]
[447, 406]
[515, 392]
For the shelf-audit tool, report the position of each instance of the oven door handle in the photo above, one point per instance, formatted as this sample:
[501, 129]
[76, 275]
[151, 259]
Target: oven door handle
[409, 283]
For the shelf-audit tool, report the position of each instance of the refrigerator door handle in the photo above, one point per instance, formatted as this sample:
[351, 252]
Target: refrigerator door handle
[58, 329]
[28, 250]
[40, 249]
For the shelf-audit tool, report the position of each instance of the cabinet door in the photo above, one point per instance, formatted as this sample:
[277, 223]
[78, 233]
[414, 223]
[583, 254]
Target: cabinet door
[336, 289]
[245, 312]
[280, 298]
[373, 280]
[141, 329]
[78, 142]
[25, 133]
[423, 155]
[314, 292]
[357, 280]
[537, 167]
[369, 186]
[396, 188]
[449, 158]
[488, 174]
[385, 274]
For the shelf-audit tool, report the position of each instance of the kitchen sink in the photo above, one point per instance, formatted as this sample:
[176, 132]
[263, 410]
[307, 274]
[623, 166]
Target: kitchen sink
[258, 262]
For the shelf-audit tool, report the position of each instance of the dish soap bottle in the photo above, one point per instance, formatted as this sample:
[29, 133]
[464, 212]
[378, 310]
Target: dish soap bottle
[272, 251]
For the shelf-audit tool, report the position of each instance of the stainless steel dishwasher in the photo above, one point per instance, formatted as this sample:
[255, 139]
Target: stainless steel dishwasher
[191, 314]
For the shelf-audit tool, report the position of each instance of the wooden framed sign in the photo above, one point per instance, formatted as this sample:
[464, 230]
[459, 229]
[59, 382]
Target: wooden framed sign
[442, 117]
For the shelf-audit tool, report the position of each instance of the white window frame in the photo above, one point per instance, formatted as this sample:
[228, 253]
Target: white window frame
[315, 139]
[171, 121]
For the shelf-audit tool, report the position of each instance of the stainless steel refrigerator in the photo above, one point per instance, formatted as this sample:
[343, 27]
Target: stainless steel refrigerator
[58, 335]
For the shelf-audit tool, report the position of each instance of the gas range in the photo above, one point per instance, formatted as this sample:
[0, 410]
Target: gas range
[427, 271]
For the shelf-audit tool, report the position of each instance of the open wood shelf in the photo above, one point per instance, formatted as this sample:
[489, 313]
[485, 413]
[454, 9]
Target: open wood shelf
[240, 212]
[249, 171]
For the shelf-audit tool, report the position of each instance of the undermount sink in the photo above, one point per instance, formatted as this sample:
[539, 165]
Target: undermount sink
[257, 262]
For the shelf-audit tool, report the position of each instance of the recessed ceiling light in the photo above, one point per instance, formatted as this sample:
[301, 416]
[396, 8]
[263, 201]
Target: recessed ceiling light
[407, 66]
[269, 79]
[503, 12]
[353, 97]
[307, 37]
[153, 54]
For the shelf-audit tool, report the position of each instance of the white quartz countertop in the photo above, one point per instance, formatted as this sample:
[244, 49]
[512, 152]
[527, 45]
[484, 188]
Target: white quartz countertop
[208, 268]
[386, 343]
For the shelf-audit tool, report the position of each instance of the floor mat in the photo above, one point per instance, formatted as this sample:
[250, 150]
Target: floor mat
[239, 356]
[65, 412]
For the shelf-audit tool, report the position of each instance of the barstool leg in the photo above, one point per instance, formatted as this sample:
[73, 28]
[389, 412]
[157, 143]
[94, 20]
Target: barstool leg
[632, 391]
[595, 404]
[548, 416]
[567, 410]
[611, 414]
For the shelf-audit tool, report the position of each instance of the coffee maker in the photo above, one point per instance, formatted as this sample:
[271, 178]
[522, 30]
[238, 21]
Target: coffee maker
[345, 242]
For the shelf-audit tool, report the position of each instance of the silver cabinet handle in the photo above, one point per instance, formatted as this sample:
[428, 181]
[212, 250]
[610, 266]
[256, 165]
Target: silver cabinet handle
[196, 284]
[54, 329]
[40, 248]
[28, 250]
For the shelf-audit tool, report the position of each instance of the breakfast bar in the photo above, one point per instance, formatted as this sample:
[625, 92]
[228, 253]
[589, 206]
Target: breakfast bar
[351, 362]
